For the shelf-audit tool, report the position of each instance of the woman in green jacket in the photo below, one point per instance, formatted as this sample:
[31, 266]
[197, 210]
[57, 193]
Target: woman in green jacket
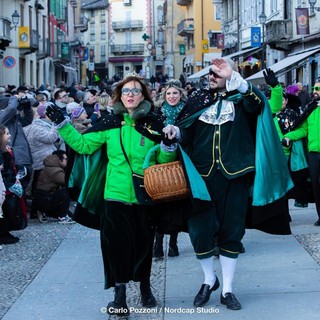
[126, 228]
[310, 128]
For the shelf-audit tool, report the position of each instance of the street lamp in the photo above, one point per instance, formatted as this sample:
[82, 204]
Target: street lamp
[262, 20]
[312, 5]
[60, 35]
[226, 28]
[15, 19]
[210, 33]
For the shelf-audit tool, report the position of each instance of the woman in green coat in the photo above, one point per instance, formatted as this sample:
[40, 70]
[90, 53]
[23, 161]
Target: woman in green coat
[126, 228]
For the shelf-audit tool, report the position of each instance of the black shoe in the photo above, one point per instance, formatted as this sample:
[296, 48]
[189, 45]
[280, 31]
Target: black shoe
[242, 249]
[317, 223]
[230, 301]
[173, 250]
[147, 298]
[119, 306]
[204, 293]
[8, 239]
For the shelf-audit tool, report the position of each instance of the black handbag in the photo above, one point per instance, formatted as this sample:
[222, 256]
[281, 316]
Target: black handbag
[138, 183]
[140, 190]
[13, 213]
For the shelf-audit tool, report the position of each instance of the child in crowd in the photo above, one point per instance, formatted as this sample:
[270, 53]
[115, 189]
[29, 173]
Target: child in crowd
[14, 215]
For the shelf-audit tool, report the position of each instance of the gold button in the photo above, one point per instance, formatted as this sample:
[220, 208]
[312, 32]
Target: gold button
[123, 123]
[217, 147]
[217, 161]
[217, 132]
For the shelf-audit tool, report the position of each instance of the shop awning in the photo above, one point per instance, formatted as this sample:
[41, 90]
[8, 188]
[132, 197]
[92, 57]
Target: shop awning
[199, 74]
[67, 68]
[287, 64]
[207, 57]
[243, 53]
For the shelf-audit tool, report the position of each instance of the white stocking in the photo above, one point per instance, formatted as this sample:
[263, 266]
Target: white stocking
[208, 271]
[228, 267]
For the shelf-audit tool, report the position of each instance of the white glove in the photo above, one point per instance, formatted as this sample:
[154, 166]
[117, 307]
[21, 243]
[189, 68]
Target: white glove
[172, 132]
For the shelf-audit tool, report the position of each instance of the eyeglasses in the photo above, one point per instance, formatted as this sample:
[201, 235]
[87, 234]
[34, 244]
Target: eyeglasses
[65, 158]
[212, 73]
[134, 91]
[64, 96]
[316, 88]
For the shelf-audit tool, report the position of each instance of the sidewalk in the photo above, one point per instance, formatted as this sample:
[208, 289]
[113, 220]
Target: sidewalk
[275, 278]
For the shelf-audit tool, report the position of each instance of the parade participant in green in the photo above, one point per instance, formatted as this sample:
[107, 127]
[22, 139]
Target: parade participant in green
[310, 129]
[126, 228]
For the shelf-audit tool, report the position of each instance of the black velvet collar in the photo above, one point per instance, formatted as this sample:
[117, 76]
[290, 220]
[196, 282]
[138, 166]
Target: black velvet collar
[149, 125]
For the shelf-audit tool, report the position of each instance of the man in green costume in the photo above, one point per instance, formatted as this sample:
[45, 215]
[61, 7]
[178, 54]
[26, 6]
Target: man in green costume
[220, 129]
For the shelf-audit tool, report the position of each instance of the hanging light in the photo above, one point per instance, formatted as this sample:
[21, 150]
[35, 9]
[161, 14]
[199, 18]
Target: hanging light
[15, 19]
[262, 18]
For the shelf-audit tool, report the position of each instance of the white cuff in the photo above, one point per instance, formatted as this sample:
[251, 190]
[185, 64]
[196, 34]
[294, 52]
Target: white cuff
[237, 83]
[166, 148]
[178, 133]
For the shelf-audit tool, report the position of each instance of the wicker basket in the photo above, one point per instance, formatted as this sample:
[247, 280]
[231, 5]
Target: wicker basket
[166, 182]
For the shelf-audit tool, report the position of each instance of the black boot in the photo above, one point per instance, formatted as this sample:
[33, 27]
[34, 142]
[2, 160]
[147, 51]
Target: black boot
[119, 305]
[158, 246]
[173, 248]
[147, 298]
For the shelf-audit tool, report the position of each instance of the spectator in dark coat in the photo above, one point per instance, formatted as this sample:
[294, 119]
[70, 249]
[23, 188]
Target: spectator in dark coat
[16, 115]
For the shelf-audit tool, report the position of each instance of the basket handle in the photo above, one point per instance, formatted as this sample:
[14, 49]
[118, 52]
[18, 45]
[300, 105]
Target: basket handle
[151, 152]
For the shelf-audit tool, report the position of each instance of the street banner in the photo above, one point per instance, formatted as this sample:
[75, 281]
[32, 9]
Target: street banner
[24, 37]
[302, 20]
[86, 54]
[81, 52]
[205, 46]
[65, 50]
[220, 41]
[255, 37]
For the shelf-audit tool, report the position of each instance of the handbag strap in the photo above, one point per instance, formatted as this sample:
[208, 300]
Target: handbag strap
[124, 153]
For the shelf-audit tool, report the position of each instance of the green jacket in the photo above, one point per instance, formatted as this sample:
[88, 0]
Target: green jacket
[275, 103]
[309, 128]
[118, 185]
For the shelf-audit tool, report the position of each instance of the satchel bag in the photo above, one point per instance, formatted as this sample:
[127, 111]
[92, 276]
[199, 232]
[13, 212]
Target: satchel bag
[140, 190]
[164, 182]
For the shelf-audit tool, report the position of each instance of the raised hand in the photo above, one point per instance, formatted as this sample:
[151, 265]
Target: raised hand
[222, 68]
[54, 114]
[270, 78]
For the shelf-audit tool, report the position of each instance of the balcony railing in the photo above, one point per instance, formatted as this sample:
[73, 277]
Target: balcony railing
[5, 24]
[82, 24]
[127, 25]
[183, 2]
[185, 27]
[127, 49]
[278, 33]
[34, 40]
[44, 49]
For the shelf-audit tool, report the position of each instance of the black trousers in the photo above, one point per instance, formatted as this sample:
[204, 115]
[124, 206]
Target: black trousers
[224, 222]
[314, 169]
[127, 235]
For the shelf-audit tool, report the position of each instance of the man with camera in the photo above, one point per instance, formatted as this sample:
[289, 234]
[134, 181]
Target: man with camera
[16, 115]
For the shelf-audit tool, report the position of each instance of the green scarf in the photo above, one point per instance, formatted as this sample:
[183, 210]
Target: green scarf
[171, 112]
